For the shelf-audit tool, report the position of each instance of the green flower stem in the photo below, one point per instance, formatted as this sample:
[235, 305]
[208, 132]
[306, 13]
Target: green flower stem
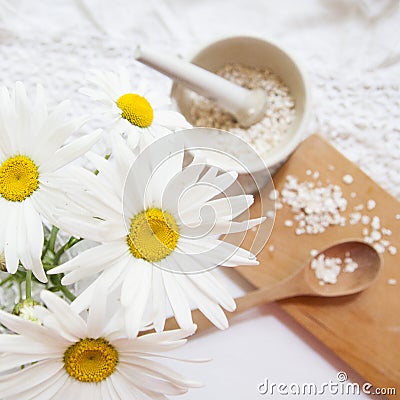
[53, 238]
[67, 293]
[20, 290]
[71, 242]
[8, 279]
[50, 241]
[28, 285]
[50, 258]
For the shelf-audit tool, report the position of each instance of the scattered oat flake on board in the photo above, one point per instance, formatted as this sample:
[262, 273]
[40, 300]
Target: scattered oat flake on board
[371, 204]
[273, 194]
[270, 214]
[355, 218]
[315, 207]
[379, 248]
[376, 235]
[376, 222]
[348, 179]
[313, 252]
[365, 219]
[392, 250]
[392, 281]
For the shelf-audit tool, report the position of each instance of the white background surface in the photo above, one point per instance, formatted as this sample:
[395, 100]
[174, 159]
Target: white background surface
[351, 50]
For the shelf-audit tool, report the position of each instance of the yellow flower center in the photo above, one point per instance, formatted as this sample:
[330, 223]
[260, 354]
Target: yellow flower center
[136, 109]
[153, 235]
[19, 178]
[90, 360]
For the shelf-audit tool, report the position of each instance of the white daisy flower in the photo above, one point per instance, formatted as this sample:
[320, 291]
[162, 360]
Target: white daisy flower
[158, 230]
[31, 152]
[67, 357]
[138, 113]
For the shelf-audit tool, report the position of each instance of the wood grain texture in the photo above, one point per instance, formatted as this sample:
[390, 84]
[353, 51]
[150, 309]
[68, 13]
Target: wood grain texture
[362, 329]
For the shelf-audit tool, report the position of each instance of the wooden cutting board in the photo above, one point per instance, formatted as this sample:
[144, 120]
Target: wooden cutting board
[362, 329]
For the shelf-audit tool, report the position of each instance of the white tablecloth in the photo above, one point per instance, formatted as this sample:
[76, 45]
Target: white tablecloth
[351, 50]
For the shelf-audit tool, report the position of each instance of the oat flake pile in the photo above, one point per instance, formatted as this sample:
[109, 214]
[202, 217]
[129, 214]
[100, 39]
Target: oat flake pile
[279, 114]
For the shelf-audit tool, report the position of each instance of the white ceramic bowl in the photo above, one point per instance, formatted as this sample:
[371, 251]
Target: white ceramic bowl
[257, 52]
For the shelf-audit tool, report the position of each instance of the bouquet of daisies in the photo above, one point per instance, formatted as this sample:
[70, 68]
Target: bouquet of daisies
[96, 330]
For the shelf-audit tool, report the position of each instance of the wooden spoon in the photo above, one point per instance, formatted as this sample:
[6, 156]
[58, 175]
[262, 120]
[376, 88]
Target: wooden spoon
[303, 282]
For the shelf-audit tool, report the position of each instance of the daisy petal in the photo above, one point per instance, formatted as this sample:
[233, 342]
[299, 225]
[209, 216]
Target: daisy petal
[159, 300]
[134, 296]
[121, 385]
[68, 319]
[30, 329]
[137, 377]
[45, 391]
[107, 253]
[177, 185]
[31, 346]
[214, 290]
[112, 278]
[9, 361]
[158, 370]
[34, 242]
[69, 152]
[210, 309]
[171, 120]
[177, 300]
[12, 384]
[11, 239]
[97, 313]
[108, 391]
